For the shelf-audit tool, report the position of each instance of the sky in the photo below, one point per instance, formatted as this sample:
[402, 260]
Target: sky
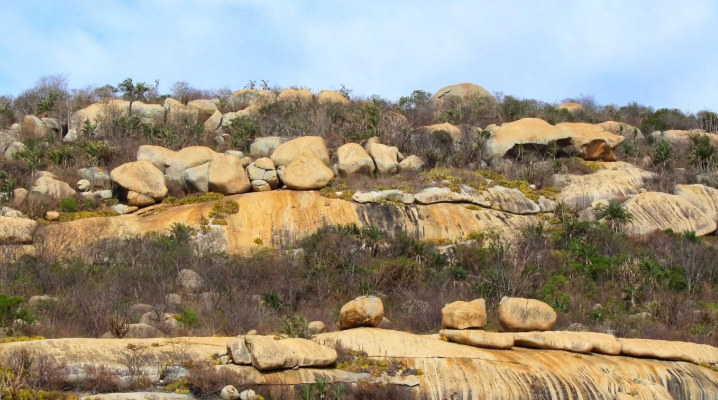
[660, 53]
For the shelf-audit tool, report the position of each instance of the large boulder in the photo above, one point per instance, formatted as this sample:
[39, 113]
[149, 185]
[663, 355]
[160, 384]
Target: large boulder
[464, 314]
[327, 97]
[302, 96]
[616, 181]
[362, 311]
[701, 196]
[186, 158]
[269, 354]
[265, 146]
[525, 315]
[148, 113]
[52, 188]
[462, 92]
[477, 338]
[590, 142]
[141, 177]
[386, 158]
[16, 230]
[194, 179]
[227, 176]
[33, 126]
[213, 123]
[238, 352]
[307, 172]
[653, 211]
[353, 159]
[286, 152]
[205, 108]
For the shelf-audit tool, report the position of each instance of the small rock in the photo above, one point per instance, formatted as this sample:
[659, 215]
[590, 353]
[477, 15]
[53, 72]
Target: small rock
[83, 185]
[316, 327]
[190, 280]
[229, 392]
[123, 209]
[248, 395]
[52, 216]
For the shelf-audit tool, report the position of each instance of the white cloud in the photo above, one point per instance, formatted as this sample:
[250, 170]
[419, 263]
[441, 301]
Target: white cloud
[655, 52]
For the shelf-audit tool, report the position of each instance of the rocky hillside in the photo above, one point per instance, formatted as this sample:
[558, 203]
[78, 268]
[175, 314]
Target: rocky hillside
[221, 213]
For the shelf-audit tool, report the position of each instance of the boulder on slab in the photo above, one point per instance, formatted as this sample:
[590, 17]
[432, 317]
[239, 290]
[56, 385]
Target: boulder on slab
[386, 158]
[525, 315]
[464, 314]
[353, 159]
[189, 157]
[141, 177]
[213, 123]
[362, 311]
[260, 186]
[477, 338]
[227, 176]
[270, 354]
[287, 152]
[196, 178]
[52, 216]
[307, 172]
[567, 341]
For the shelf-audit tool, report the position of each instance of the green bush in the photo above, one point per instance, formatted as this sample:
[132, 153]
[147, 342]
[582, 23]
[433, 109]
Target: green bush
[11, 309]
[69, 205]
[188, 318]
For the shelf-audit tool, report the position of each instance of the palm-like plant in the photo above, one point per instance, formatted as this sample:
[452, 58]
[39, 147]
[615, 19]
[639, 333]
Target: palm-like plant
[615, 215]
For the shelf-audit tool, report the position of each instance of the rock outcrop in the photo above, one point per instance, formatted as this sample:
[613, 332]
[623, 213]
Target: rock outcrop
[14, 230]
[270, 354]
[612, 181]
[590, 142]
[653, 211]
[477, 338]
[703, 197]
[329, 97]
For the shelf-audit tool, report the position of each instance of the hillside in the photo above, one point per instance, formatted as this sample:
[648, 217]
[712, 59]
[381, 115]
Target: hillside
[129, 214]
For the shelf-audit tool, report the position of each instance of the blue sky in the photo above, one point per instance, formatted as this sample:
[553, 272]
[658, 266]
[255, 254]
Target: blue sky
[660, 52]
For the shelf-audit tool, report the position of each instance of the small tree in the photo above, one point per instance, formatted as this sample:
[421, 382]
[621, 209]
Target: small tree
[663, 154]
[614, 215]
[12, 309]
[701, 153]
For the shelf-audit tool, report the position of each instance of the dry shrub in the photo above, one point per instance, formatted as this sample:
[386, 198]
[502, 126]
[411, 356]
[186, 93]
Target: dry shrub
[206, 381]
[99, 379]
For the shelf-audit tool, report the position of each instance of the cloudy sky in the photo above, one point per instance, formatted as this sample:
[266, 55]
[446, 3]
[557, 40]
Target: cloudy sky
[657, 52]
